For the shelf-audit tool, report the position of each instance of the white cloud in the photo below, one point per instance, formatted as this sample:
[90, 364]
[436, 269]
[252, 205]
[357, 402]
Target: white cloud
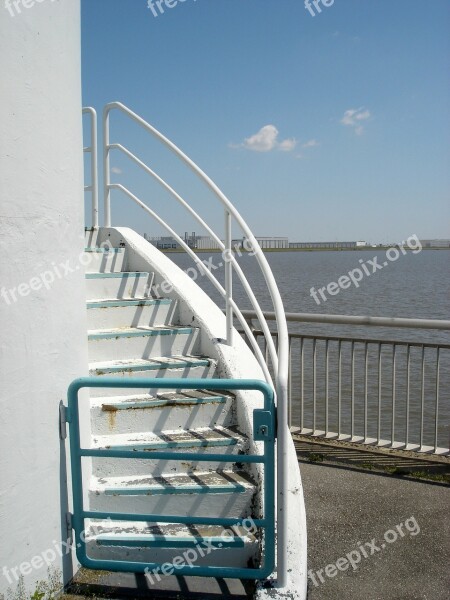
[287, 145]
[354, 117]
[116, 170]
[310, 144]
[266, 140]
[263, 141]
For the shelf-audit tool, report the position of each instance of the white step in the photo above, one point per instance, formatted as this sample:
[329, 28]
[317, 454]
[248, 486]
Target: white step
[218, 440]
[139, 542]
[103, 314]
[184, 367]
[227, 494]
[142, 342]
[103, 260]
[112, 286]
[170, 411]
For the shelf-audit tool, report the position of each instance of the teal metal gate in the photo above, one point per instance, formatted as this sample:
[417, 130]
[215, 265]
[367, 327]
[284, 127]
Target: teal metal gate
[264, 430]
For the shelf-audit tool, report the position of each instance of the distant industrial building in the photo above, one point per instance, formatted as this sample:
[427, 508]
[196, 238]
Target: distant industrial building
[329, 245]
[267, 242]
[194, 241]
[205, 242]
[435, 243]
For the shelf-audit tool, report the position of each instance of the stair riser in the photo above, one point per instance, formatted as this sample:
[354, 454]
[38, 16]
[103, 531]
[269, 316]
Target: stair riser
[103, 262]
[157, 419]
[154, 315]
[188, 504]
[147, 346]
[119, 467]
[224, 557]
[119, 287]
[201, 372]
[92, 238]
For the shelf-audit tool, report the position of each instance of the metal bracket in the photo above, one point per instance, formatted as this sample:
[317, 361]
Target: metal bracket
[69, 524]
[63, 420]
[263, 426]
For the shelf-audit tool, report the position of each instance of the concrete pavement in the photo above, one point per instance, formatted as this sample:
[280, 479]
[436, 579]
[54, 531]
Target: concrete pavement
[402, 526]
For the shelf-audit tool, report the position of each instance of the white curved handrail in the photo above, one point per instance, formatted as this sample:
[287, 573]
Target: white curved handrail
[260, 315]
[283, 338]
[206, 271]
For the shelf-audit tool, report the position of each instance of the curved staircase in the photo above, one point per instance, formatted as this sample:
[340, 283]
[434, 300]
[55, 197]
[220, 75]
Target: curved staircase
[180, 456]
[132, 333]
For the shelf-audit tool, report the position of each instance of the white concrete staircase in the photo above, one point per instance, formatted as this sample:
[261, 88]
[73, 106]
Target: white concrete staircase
[134, 334]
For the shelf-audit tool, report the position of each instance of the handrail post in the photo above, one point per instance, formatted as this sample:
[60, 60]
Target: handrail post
[282, 481]
[228, 279]
[106, 170]
[93, 149]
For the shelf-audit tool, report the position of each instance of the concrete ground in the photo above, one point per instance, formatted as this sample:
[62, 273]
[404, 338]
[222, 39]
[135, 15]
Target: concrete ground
[372, 535]
[402, 525]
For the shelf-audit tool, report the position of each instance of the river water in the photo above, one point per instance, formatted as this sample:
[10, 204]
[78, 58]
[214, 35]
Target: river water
[414, 285]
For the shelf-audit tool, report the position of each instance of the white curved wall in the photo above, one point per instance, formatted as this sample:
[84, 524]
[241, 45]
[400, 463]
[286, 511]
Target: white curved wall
[43, 330]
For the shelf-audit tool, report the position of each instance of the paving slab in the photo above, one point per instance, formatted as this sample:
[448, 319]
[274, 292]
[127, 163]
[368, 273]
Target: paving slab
[372, 536]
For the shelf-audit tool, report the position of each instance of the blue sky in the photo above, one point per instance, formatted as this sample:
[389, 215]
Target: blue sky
[325, 127]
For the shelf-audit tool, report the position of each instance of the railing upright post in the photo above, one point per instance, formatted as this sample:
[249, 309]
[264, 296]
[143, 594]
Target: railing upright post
[290, 386]
[93, 149]
[228, 279]
[366, 387]
[394, 390]
[436, 408]
[422, 397]
[106, 171]
[408, 372]
[302, 384]
[94, 169]
[283, 524]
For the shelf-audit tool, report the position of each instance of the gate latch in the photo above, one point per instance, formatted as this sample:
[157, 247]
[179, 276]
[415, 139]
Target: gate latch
[263, 426]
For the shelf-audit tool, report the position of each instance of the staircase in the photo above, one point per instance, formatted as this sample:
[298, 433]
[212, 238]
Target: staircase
[180, 348]
[133, 333]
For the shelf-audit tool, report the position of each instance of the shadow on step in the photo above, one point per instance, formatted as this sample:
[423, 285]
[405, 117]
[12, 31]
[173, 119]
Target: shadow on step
[115, 586]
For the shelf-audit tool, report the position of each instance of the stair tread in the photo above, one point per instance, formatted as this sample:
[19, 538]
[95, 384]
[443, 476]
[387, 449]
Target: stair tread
[205, 436]
[136, 364]
[140, 330]
[171, 587]
[120, 274]
[200, 482]
[108, 303]
[130, 530]
[136, 401]
[104, 250]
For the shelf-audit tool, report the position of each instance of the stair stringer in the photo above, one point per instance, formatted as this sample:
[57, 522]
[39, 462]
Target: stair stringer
[196, 308]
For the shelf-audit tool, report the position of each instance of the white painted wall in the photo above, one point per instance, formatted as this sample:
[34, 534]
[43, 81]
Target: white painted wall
[43, 332]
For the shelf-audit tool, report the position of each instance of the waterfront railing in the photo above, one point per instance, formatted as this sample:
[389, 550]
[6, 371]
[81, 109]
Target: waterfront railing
[366, 389]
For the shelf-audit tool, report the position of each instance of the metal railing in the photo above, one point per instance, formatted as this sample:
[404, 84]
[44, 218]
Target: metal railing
[263, 431]
[279, 356]
[378, 391]
[92, 149]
